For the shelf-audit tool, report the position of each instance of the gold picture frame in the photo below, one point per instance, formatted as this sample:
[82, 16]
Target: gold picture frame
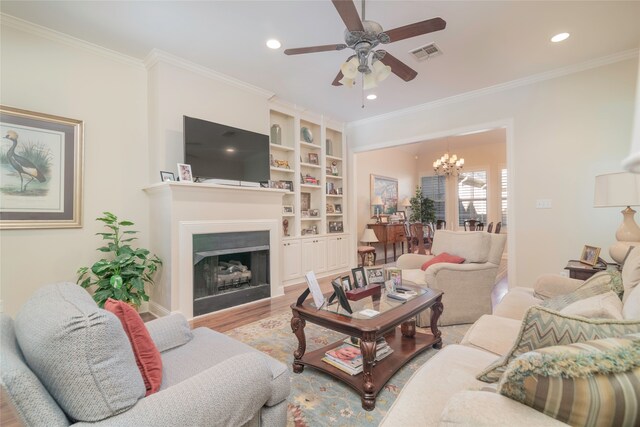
[590, 255]
[42, 169]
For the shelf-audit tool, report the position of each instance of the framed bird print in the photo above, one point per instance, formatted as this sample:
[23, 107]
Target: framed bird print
[40, 170]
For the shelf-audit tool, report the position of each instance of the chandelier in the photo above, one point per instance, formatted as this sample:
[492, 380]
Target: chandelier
[448, 165]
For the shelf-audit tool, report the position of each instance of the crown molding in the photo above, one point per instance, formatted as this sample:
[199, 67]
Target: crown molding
[536, 78]
[57, 36]
[156, 56]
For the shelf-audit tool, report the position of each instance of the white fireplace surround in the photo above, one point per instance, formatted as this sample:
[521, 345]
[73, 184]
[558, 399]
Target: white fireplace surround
[181, 209]
[186, 231]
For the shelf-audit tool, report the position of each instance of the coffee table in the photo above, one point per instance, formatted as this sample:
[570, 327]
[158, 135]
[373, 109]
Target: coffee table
[396, 322]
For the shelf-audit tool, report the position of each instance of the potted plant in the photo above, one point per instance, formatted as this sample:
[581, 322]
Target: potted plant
[422, 208]
[124, 274]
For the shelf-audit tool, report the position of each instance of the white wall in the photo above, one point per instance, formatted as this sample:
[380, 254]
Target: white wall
[178, 88]
[394, 163]
[47, 76]
[562, 133]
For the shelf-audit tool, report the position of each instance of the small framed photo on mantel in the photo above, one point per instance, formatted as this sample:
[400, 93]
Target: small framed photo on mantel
[167, 176]
[184, 172]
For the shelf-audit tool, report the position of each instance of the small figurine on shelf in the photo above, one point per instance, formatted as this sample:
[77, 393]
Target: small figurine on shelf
[285, 227]
[334, 168]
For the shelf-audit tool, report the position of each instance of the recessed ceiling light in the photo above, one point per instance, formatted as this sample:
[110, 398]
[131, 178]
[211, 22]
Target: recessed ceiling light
[230, 150]
[560, 37]
[372, 96]
[273, 44]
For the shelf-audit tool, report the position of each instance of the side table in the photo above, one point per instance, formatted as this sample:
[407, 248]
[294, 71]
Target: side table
[580, 271]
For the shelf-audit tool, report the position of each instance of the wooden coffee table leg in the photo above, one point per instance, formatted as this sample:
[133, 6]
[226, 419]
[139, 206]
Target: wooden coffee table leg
[436, 311]
[368, 349]
[297, 326]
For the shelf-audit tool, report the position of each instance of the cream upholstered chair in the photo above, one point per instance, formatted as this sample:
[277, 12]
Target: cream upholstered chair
[467, 287]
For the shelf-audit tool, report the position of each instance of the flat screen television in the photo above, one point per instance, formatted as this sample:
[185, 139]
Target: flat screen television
[221, 152]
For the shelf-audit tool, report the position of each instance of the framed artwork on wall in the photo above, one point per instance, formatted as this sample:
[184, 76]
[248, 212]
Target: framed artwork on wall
[41, 161]
[387, 189]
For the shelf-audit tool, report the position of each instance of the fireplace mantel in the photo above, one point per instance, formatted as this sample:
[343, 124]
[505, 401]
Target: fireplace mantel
[180, 209]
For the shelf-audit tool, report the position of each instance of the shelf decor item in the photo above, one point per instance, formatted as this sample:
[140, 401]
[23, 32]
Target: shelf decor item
[329, 147]
[306, 135]
[276, 134]
[123, 277]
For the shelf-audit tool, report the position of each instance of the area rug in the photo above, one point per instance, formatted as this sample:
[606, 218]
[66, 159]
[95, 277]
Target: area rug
[317, 399]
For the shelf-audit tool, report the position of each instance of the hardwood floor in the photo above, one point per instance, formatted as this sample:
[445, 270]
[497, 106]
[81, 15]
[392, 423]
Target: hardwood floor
[249, 313]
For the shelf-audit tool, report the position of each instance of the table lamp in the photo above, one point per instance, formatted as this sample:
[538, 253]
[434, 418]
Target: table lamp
[621, 189]
[377, 201]
[368, 238]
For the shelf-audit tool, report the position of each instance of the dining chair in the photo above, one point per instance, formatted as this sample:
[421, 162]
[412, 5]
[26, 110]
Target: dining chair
[498, 227]
[490, 227]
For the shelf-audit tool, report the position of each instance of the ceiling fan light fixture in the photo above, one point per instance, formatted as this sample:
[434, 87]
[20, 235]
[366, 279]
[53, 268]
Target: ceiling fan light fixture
[273, 44]
[380, 70]
[346, 81]
[369, 81]
[350, 68]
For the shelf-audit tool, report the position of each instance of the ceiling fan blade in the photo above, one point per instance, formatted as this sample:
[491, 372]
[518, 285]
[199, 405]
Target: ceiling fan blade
[313, 49]
[399, 68]
[416, 29]
[336, 81]
[347, 11]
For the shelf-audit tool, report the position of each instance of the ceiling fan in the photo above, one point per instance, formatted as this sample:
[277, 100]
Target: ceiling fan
[363, 37]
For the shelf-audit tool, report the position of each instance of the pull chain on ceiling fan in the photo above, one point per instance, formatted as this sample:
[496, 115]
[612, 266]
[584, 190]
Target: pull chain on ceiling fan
[363, 37]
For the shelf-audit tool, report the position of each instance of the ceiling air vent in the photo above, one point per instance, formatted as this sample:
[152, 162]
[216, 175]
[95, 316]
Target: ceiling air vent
[425, 52]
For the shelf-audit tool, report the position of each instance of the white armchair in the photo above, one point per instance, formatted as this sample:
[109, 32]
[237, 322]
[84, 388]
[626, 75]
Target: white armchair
[467, 287]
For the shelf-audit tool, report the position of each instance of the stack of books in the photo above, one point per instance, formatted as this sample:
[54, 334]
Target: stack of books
[348, 358]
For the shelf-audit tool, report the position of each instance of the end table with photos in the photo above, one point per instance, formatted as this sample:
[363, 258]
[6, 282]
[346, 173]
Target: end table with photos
[395, 322]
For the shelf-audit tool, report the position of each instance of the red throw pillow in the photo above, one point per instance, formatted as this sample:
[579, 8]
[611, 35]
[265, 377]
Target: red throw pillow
[443, 257]
[146, 353]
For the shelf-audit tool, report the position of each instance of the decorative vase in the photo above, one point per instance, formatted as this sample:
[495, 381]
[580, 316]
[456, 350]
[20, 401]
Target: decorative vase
[276, 134]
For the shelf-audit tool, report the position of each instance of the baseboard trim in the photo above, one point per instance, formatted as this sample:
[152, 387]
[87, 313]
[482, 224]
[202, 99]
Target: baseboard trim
[158, 310]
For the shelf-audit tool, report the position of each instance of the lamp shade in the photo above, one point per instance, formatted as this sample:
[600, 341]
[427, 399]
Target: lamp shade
[350, 68]
[369, 81]
[632, 163]
[377, 201]
[405, 202]
[617, 189]
[369, 236]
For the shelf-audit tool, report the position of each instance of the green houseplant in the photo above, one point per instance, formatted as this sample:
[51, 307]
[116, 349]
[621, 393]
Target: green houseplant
[422, 208]
[124, 274]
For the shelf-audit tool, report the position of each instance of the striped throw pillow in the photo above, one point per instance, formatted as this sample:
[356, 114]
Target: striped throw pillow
[595, 383]
[542, 327]
[597, 284]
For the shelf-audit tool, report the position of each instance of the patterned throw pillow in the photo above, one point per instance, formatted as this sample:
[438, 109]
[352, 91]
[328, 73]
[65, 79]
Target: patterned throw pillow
[594, 383]
[597, 284]
[542, 327]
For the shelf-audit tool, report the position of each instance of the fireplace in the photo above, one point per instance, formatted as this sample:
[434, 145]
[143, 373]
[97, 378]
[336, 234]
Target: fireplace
[229, 269]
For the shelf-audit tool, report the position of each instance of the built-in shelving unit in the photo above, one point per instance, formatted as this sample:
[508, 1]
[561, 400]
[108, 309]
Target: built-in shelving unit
[316, 236]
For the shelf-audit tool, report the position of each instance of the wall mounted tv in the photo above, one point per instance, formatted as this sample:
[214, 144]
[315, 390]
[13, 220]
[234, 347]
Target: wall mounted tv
[225, 153]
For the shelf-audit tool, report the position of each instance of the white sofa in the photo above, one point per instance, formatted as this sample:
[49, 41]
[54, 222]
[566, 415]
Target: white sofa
[467, 287]
[445, 391]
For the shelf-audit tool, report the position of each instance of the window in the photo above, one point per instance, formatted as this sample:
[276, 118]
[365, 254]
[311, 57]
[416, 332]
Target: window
[433, 187]
[472, 196]
[503, 191]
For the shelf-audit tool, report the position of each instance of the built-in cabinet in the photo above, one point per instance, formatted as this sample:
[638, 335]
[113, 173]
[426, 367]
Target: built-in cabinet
[323, 255]
[308, 157]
